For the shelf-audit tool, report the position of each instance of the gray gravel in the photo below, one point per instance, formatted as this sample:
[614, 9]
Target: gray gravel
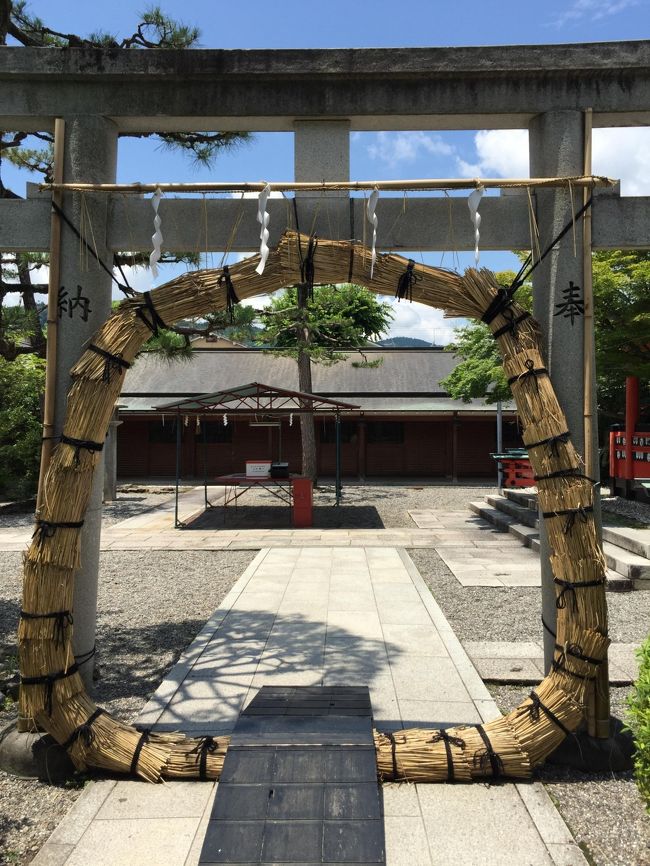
[513, 614]
[150, 607]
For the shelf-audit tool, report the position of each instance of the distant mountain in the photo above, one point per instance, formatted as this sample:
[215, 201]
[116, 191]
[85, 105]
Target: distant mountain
[404, 343]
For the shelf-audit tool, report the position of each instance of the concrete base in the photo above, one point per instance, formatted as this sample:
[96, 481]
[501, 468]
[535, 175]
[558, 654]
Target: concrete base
[34, 756]
[591, 755]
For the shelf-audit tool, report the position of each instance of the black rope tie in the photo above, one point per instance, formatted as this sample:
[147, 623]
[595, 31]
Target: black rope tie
[501, 304]
[548, 628]
[46, 528]
[488, 756]
[527, 268]
[393, 753]
[406, 282]
[553, 441]
[62, 619]
[231, 294]
[575, 650]
[571, 514]
[48, 680]
[205, 746]
[448, 741]
[78, 444]
[530, 371]
[569, 586]
[86, 657]
[307, 270]
[123, 287]
[155, 323]
[512, 323]
[537, 705]
[113, 362]
[571, 472]
[144, 738]
[559, 664]
[84, 732]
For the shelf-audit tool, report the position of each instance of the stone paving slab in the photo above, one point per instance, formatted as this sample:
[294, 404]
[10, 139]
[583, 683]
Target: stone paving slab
[523, 662]
[429, 681]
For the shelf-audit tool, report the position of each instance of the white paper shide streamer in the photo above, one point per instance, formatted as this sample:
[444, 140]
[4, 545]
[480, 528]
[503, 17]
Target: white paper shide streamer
[372, 219]
[473, 202]
[156, 237]
[263, 219]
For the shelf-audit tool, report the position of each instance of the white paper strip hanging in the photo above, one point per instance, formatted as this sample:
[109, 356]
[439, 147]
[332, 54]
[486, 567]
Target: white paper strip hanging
[473, 202]
[156, 237]
[263, 219]
[372, 218]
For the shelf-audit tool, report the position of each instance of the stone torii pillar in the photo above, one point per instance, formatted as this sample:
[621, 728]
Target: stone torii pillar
[556, 142]
[90, 155]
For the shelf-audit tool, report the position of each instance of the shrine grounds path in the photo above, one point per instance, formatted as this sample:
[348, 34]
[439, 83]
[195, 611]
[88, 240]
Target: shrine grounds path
[143, 626]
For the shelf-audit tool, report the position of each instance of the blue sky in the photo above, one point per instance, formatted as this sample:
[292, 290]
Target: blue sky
[497, 153]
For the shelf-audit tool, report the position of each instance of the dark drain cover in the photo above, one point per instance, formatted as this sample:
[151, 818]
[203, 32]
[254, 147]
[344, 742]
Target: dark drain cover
[299, 783]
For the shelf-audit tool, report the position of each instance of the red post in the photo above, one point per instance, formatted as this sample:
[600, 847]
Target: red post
[631, 418]
[302, 502]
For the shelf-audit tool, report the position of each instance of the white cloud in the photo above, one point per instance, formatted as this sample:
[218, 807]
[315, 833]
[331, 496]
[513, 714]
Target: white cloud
[621, 153]
[395, 147]
[595, 10]
[624, 154]
[421, 322]
[500, 153]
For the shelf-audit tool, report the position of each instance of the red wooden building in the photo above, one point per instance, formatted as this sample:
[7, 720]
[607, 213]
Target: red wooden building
[406, 425]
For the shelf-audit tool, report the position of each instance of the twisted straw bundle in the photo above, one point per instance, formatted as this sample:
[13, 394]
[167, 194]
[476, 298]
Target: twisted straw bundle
[57, 700]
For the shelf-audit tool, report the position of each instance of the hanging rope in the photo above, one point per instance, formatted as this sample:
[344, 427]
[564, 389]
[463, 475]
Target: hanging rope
[123, 287]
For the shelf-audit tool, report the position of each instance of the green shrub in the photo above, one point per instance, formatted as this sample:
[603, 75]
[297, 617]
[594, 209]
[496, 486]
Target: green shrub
[639, 722]
[21, 384]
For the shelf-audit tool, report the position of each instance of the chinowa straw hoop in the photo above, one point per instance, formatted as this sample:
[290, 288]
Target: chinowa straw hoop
[52, 692]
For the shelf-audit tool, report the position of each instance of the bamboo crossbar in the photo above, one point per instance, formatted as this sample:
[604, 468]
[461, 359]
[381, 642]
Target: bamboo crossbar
[421, 184]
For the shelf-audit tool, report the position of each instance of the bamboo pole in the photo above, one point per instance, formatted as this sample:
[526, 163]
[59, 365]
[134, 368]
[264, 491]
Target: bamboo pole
[598, 720]
[351, 186]
[588, 299]
[52, 310]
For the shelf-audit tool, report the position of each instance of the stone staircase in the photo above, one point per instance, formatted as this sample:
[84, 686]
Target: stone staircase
[626, 550]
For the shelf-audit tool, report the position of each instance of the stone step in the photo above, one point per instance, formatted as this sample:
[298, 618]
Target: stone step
[635, 540]
[617, 581]
[519, 512]
[525, 498]
[630, 565]
[497, 518]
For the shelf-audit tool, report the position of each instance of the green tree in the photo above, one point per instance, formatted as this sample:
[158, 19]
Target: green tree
[315, 329]
[622, 326]
[480, 373]
[21, 385]
[621, 281]
[175, 344]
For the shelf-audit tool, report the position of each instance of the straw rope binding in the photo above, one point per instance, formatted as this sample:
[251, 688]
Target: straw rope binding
[52, 692]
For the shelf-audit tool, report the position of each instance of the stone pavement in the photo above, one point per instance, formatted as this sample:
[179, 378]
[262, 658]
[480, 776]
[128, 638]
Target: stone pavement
[323, 615]
[523, 661]
[476, 553]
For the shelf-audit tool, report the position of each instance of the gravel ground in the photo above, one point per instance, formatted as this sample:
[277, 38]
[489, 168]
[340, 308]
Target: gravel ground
[143, 626]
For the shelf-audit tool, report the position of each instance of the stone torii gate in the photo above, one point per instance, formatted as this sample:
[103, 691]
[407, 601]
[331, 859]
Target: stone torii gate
[321, 96]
